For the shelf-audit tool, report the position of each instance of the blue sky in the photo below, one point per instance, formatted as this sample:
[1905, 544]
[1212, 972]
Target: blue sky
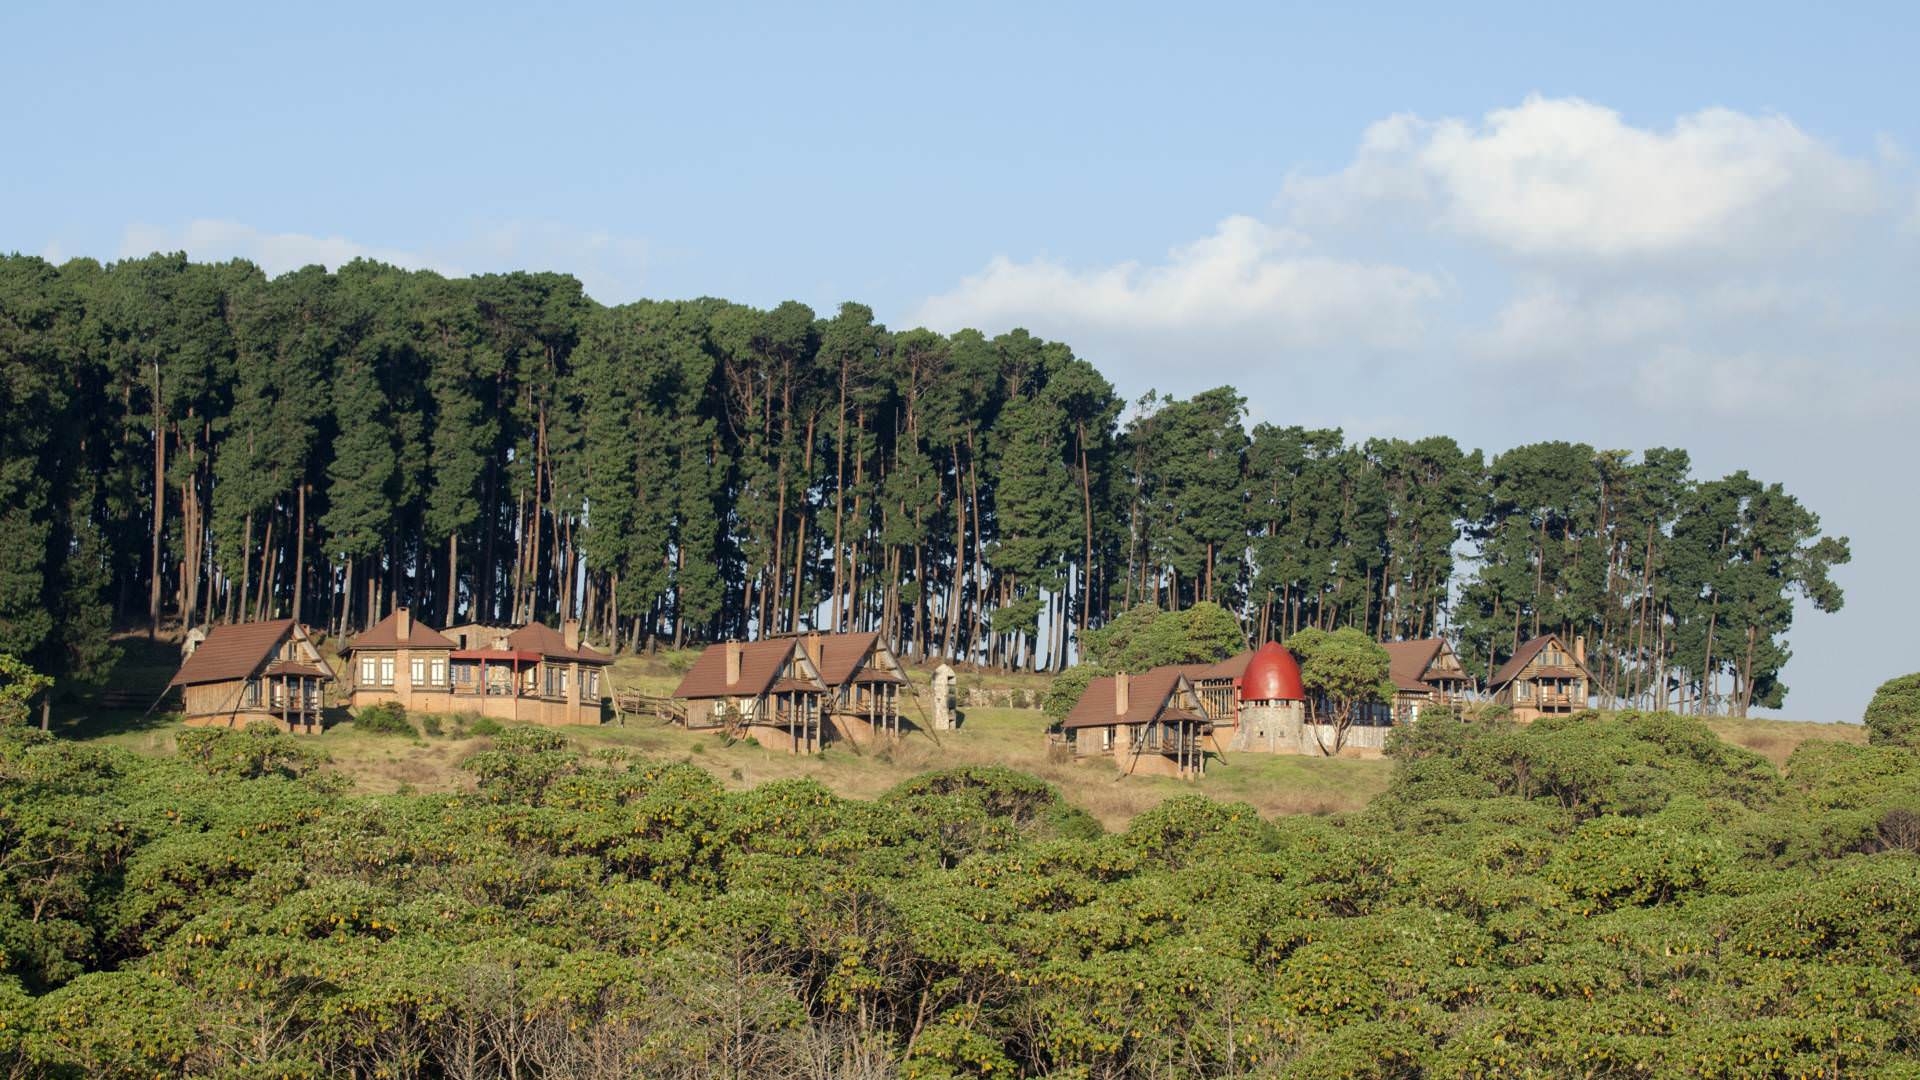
[1672, 224]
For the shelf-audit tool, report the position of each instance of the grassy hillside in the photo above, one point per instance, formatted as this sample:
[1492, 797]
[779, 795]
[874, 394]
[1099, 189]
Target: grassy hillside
[997, 735]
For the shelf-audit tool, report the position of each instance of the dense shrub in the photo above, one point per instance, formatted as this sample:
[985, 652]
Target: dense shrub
[1599, 896]
[485, 725]
[1893, 716]
[384, 718]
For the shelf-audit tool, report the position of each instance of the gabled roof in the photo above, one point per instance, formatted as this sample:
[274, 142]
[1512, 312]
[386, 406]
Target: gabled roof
[1147, 698]
[1408, 662]
[837, 655]
[233, 651]
[385, 634]
[1524, 655]
[297, 669]
[548, 642]
[760, 664]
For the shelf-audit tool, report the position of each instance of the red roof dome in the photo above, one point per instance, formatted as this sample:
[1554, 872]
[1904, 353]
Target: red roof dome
[1272, 675]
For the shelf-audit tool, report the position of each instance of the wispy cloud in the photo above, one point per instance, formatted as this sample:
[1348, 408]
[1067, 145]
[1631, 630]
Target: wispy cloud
[1253, 282]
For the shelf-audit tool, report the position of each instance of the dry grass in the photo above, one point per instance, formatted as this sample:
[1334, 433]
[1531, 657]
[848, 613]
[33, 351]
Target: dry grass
[1776, 739]
[1272, 784]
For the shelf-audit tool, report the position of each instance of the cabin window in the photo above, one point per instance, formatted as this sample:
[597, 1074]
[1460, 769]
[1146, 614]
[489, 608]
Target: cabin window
[369, 671]
[1106, 737]
[556, 680]
[386, 671]
[438, 668]
[1523, 691]
[463, 673]
[592, 681]
[251, 695]
[417, 670]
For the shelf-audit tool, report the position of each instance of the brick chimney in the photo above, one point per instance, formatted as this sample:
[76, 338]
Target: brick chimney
[1120, 694]
[403, 623]
[817, 652]
[1580, 649]
[734, 649]
[570, 631]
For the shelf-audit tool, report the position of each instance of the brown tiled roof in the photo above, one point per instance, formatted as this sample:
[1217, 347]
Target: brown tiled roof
[836, 655]
[234, 651]
[545, 640]
[1523, 656]
[760, 663]
[1407, 662]
[385, 634]
[297, 669]
[1557, 673]
[1146, 696]
[1233, 666]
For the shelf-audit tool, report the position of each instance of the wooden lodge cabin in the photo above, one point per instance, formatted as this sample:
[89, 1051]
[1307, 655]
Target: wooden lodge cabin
[1218, 685]
[768, 689]
[863, 680]
[1426, 674]
[245, 672]
[1543, 678]
[1254, 702]
[797, 691]
[1149, 725]
[532, 675]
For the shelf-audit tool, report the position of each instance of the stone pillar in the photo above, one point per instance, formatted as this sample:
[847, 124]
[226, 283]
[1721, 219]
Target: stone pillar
[943, 698]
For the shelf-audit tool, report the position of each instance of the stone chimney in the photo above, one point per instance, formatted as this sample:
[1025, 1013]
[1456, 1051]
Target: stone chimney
[817, 652]
[734, 649]
[570, 632]
[1120, 694]
[1580, 649]
[403, 623]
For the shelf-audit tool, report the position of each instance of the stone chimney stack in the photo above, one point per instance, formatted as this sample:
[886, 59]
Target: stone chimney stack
[570, 631]
[734, 649]
[403, 623]
[1120, 694]
[817, 652]
[1580, 649]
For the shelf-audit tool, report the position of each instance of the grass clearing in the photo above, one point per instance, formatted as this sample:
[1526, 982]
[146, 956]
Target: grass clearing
[1776, 739]
[1272, 784]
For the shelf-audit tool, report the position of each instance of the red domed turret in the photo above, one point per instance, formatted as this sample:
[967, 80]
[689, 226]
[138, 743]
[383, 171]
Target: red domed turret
[1272, 675]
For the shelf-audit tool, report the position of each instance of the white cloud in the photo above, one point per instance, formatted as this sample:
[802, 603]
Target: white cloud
[1248, 279]
[1555, 318]
[1567, 178]
[276, 253]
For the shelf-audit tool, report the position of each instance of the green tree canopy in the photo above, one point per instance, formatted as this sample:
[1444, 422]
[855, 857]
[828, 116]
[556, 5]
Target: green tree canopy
[1893, 716]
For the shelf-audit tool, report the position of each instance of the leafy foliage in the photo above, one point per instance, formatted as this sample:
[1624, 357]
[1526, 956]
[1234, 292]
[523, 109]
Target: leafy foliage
[1594, 895]
[1893, 716]
[383, 718]
[1143, 638]
[19, 686]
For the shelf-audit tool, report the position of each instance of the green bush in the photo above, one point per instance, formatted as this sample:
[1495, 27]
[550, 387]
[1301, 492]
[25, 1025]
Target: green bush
[431, 724]
[385, 718]
[261, 749]
[1893, 716]
[485, 725]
